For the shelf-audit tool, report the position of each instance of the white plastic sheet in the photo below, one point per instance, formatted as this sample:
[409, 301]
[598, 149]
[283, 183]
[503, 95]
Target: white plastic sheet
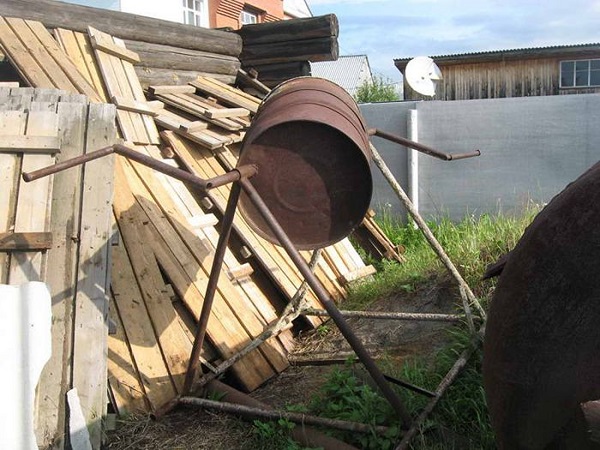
[25, 347]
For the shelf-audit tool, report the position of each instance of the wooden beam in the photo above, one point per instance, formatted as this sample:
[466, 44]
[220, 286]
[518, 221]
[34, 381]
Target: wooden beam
[100, 43]
[184, 89]
[126, 104]
[29, 144]
[25, 241]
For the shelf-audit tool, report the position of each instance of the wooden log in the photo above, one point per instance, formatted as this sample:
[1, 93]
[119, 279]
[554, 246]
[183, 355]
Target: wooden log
[319, 49]
[149, 76]
[280, 71]
[25, 241]
[290, 30]
[126, 26]
[177, 58]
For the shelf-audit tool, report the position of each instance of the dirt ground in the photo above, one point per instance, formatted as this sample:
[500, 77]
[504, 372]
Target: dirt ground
[192, 429]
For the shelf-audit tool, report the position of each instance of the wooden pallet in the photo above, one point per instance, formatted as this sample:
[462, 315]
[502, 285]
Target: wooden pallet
[122, 85]
[39, 60]
[70, 203]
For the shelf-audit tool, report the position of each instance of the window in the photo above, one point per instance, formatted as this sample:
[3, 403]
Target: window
[247, 17]
[195, 13]
[580, 73]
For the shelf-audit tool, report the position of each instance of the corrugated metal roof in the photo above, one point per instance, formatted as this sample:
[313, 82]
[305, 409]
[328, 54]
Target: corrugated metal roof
[510, 52]
[347, 71]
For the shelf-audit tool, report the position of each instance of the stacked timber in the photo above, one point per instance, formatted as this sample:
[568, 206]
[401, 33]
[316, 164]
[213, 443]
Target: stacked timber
[57, 230]
[282, 50]
[160, 238]
[170, 53]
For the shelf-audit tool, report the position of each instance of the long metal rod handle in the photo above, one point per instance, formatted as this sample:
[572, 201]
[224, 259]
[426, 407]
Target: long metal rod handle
[420, 147]
[236, 174]
[328, 303]
[211, 288]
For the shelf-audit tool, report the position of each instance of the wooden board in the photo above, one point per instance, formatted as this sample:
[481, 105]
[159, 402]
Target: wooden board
[39, 59]
[34, 200]
[30, 144]
[210, 137]
[201, 108]
[62, 274]
[29, 241]
[79, 49]
[10, 122]
[156, 383]
[123, 377]
[90, 368]
[121, 81]
[181, 208]
[189, 278]
[278, 267]
[227, 94]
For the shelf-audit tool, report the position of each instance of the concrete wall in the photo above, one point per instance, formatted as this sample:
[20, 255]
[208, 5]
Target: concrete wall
[532, 147]
[393, 118]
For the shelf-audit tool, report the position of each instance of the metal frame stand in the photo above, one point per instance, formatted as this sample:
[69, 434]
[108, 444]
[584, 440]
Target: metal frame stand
[240, 179]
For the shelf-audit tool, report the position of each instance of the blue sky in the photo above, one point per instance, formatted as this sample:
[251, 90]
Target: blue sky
[388, 29]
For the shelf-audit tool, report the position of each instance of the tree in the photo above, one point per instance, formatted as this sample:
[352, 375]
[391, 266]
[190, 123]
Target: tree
[378, 89]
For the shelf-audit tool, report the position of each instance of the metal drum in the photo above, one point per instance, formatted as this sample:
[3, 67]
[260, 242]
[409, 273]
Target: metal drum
[542, 341]
[311, 147]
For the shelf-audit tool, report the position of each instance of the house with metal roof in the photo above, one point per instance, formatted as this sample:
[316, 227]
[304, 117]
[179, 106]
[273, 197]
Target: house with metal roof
[556, 70]
[347, 71]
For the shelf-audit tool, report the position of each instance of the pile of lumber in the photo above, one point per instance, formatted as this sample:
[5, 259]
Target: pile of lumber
[282, 50]
[169, 53]
[164, 233]
[56, 230]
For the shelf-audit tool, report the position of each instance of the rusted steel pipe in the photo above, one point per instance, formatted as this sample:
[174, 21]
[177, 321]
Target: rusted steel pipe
[420, 147]
[211, 288]
[174, 172]
[67, 164]
[334, 313]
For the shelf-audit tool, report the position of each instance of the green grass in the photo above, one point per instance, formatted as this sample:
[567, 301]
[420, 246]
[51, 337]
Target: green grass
[460, 419]
[471, 245]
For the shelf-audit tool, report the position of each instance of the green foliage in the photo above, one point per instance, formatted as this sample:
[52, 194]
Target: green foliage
[471, 245]
[460, 420]
[345, 397]
[378, 90]
[274, 436]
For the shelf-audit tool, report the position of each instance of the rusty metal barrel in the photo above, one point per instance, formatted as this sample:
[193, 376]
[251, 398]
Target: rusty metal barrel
[310, 144]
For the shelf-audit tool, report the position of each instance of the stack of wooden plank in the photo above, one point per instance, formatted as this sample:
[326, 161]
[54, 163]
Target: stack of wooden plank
[281, 50]
[56, 230]
[165, 232]
[373, 240]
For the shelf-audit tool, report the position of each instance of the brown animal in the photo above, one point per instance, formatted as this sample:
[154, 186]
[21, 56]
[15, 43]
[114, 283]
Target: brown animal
[542, 341]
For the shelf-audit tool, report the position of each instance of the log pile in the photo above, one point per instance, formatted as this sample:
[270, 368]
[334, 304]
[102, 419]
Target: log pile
[163, 232]
[282, 50]
[170, 53]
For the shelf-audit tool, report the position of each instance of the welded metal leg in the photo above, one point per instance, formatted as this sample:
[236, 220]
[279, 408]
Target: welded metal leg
[328, 304]
[211, 288]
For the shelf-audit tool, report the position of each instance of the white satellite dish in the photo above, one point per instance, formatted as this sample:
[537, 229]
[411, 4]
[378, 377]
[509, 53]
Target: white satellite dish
[422, 74]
